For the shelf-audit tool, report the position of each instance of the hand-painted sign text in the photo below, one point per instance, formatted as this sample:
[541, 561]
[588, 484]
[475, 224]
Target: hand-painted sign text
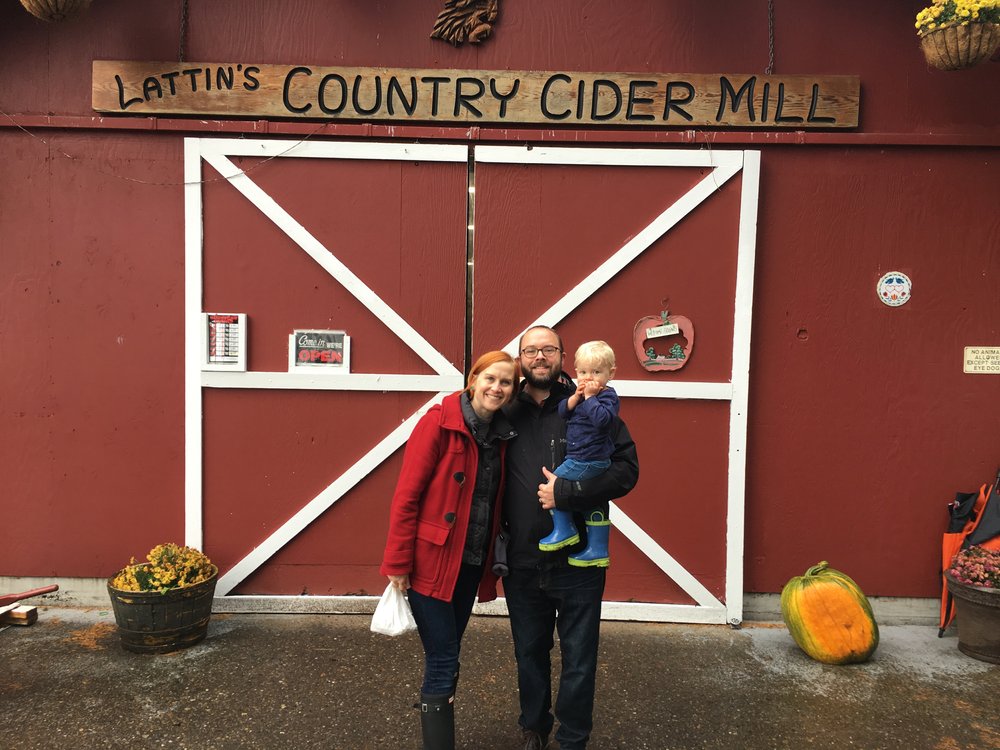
[427, 95]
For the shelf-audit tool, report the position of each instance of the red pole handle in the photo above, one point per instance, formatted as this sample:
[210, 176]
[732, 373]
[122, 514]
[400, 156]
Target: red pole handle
[6, 599]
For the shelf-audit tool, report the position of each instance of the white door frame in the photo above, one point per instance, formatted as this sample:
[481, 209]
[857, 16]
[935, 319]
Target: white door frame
[723, 166]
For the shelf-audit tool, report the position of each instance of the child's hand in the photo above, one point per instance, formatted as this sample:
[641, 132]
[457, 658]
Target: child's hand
[591, 388]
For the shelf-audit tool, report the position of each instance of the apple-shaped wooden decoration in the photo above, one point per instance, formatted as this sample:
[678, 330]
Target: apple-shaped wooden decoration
[663, 358]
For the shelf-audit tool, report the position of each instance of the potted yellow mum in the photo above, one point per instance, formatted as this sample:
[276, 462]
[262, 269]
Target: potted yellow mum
[956, 34]
[163, 604]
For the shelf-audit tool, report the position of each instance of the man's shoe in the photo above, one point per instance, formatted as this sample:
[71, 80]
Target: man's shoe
[532, 740]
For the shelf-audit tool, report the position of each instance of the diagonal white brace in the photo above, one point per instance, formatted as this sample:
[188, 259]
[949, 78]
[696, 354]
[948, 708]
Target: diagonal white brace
[347, 278]
[674, 570]
[312, 510]
[635, 247]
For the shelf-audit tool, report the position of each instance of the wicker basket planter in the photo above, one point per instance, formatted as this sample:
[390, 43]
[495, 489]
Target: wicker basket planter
[960, 45]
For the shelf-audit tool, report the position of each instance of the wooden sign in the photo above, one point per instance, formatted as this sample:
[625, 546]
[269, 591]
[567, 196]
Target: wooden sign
[646, 100]
[664, 356]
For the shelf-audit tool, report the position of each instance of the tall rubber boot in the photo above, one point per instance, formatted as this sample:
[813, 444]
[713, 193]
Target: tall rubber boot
[596, 553]
[563, 532]
[437, 721]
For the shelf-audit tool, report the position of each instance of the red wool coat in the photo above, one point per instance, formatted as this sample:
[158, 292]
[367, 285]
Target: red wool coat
[429, 517]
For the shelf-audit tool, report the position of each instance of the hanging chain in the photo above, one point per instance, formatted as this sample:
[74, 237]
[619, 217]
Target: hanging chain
[183, 33]
[770, 37]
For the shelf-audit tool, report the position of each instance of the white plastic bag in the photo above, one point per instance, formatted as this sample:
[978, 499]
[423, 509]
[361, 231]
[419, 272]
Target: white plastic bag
[392, 615]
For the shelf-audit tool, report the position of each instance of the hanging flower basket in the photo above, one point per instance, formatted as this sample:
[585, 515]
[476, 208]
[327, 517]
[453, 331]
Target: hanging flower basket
[960, 45]
[54, 10]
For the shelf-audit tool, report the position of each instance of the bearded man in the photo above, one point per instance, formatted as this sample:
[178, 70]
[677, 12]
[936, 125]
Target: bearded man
[544, 593]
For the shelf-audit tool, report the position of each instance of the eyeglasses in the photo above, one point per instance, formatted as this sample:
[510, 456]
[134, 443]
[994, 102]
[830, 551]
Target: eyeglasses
[548, 351]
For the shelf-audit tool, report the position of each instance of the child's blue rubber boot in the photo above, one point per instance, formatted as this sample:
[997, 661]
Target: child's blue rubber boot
[596, 553]
[563, 534]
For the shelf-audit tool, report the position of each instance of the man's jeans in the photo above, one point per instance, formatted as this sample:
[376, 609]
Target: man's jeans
[441, 625]
[534, 597]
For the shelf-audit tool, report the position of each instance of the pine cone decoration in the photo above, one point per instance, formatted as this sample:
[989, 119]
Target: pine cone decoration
[465, 20]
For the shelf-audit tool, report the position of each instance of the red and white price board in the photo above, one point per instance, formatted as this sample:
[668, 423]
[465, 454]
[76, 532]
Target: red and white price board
[225, 341]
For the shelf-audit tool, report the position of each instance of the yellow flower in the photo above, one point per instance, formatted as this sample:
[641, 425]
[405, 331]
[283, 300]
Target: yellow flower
[957, 12]
[168, 566]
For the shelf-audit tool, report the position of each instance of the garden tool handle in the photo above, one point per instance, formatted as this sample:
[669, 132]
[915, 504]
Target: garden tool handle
[6, 599]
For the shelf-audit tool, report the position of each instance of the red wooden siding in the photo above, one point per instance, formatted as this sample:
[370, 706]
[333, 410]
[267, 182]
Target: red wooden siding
[92, 339]
[861, 422]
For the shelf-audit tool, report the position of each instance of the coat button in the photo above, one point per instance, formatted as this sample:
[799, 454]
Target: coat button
[449, 517]
[459, 477]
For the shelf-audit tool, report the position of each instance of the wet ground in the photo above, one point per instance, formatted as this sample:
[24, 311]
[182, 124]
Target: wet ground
[325, 681]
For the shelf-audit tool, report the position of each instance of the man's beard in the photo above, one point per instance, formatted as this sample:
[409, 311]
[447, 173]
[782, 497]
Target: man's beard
[544, 383]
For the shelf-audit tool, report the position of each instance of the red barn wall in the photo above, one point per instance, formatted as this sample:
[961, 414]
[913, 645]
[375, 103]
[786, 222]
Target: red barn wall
[861, 422]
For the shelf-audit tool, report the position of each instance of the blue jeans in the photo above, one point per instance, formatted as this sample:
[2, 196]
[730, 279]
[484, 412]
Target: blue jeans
[567, 599]
[441, 625]
[570, 468]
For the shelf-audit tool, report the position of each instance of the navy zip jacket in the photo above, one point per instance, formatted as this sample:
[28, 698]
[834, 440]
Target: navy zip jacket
[588, 426]
[541, 441]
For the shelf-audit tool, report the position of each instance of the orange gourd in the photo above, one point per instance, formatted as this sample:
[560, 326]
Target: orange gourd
[829, 616]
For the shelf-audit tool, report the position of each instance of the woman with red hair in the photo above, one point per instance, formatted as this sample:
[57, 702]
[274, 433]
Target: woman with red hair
[444, 518]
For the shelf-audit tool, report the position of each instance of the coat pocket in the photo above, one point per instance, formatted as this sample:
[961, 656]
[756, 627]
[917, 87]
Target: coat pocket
[432, 532]
[429, 555]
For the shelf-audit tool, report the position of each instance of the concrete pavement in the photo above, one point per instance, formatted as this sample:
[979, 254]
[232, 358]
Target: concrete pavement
[325, 681]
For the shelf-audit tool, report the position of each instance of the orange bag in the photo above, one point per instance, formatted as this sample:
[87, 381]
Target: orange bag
[975, 520]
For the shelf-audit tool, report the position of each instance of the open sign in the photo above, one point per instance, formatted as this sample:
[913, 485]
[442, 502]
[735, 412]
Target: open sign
[316, 348]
